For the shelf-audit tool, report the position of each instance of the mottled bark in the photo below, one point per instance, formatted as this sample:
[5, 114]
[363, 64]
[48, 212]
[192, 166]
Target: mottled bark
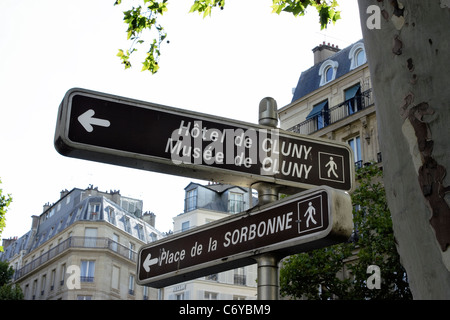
[408, 58]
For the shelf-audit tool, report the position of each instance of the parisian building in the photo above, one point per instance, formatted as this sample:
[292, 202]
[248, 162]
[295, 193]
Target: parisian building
[204, 204]
[83, 247]
[333, 99]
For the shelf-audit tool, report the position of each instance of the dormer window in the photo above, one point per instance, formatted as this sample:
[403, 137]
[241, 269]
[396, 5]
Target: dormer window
[357, 55]
[327, 71]
[235, 202]
[191, 200]
[329, 74]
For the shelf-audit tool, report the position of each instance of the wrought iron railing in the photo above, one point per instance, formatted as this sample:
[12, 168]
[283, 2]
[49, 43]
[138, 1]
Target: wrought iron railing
[334, 114]
[77, 242]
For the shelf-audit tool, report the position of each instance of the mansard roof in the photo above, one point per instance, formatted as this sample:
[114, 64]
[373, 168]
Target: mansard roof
[309, 80]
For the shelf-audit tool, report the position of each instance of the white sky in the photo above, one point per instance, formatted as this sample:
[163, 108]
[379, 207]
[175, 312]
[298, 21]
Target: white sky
[223, 65]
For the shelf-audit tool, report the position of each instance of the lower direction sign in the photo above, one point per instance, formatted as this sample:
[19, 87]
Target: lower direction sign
[305, 221]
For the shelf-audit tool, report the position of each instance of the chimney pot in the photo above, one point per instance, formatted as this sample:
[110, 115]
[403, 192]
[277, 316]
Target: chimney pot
[323, 52]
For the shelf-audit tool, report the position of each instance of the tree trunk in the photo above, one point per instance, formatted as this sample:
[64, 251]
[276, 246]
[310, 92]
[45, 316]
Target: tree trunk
[407, 47]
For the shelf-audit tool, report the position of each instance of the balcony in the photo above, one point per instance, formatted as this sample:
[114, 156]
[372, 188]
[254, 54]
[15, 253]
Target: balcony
[335, 114]
[240, 279]
[77, 242]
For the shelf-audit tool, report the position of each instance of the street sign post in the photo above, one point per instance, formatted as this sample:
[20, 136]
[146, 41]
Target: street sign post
[306, 221]
[122, 131]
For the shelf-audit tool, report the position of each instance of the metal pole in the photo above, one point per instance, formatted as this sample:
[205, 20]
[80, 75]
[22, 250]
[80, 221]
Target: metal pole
[268, 280]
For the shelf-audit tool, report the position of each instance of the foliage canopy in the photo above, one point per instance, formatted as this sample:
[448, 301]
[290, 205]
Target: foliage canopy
[8, 291]
[318, 274]
[145, 16]
[5, 201]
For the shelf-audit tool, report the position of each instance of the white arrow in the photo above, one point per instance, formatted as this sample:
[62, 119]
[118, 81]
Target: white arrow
[87, 120]
[149, 262]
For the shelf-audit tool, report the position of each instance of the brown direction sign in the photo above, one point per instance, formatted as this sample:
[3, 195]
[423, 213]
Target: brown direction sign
[305, 221]
[122, 131]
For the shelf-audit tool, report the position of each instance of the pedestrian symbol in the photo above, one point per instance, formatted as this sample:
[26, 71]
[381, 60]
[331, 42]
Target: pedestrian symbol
[310, 214]
[331, 167]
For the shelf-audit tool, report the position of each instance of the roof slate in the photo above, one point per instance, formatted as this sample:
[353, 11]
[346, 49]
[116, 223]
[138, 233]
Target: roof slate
[309, 80]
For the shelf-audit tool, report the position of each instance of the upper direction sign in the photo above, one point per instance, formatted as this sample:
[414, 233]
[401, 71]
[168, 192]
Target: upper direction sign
[305, 221]
[111, 129]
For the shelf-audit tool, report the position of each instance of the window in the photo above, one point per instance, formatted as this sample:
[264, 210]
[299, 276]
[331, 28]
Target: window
[352, 98]
[355, 145]
[94, 211]
[239, 277]
[185, 226]
[179, 296]
[115, 278]
[131, 285]
[26, 291]
[320, 114]
[34, 288]
[52, 279]
[360, 57]
[210, 295]
[43, 283]
[90, 237]
[235, 202]
[191, 200]
[115, 241]
[111, 215]
[327, 71]
[131, 205]
[329, 74]
[87, 271]
[63, 274]
[357, 55]
[145, 293]
[140, 231]
[127, 224]
[131, 252]
[153, 236]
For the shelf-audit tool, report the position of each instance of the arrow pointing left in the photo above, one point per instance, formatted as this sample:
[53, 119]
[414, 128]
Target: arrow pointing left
[87, 120]
[149, 262]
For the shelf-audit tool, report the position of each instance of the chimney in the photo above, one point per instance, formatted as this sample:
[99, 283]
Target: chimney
[7, 242]
[46, 207]
[323, 51]
[150, 218]
[63, 193]
[34, 222]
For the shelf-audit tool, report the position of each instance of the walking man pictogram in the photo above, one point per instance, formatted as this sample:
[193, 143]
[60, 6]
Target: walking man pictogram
[333, 167]
[310, 212]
